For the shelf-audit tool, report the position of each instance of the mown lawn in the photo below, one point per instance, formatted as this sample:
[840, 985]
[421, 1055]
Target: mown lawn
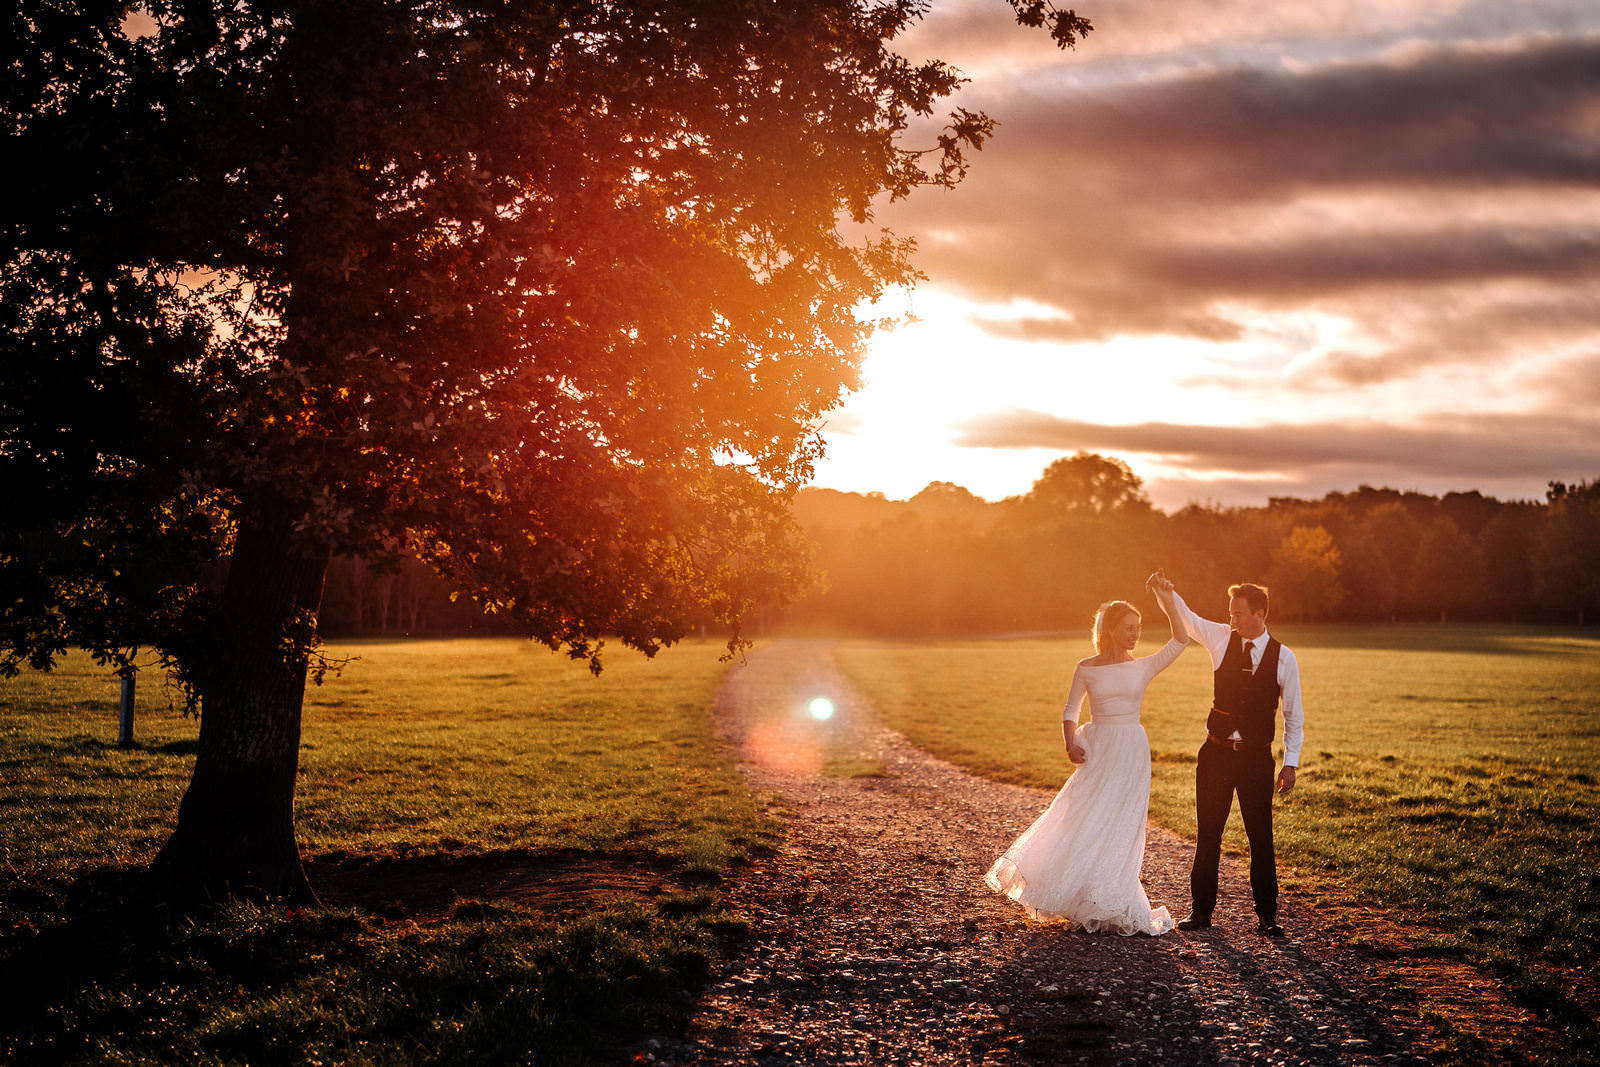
[1450, 774]
[422, 756]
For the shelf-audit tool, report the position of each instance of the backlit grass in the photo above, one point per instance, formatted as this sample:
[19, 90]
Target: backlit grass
[431, 751]
[1450, 774]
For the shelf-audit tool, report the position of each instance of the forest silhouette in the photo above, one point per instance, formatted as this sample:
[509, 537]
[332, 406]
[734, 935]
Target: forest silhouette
[948, 563]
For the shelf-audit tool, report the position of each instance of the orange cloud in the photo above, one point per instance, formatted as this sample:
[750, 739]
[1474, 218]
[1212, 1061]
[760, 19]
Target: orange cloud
[1462, 447]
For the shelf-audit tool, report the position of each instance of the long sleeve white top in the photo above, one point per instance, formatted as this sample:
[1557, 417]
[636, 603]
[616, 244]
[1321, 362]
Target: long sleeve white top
[1214, 636]
[1115, 690]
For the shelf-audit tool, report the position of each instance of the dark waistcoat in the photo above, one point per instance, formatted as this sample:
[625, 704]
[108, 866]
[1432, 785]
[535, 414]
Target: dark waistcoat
[1243, 701]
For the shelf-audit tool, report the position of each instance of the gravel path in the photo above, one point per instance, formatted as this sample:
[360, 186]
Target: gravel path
[874, 941]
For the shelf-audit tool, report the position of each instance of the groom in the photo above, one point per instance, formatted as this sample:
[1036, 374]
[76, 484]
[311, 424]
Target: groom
[1252, 672]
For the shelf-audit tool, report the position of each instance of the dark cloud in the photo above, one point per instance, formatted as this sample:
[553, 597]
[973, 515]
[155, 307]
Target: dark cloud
[1179, 204]
[980, 35]
[1296, 271]
[1069, 330]
[1522, 111]
[1374, 278]
[1463, 448]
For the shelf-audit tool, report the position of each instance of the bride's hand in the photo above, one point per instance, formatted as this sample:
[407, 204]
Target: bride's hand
[1076, 752]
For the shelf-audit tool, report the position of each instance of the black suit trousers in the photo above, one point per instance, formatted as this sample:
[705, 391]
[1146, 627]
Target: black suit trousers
[1221, 773]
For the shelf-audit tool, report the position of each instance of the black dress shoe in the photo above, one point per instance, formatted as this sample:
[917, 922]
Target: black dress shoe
[1197, 921]
[1269, 928]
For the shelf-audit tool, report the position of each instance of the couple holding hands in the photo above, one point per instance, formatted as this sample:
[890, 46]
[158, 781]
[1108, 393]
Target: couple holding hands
[1080, 860]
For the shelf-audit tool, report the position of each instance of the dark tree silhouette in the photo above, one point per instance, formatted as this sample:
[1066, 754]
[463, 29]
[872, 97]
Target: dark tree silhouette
[548, 296]
[1569, 550]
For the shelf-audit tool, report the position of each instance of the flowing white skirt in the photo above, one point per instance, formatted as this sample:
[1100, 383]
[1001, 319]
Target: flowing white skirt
[1080, 860]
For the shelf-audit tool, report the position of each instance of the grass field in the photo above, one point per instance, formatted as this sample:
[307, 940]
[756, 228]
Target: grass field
[1450, 774]
[421, 757]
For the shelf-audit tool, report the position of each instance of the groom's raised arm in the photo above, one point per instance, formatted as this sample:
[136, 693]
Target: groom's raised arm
[1213, 635]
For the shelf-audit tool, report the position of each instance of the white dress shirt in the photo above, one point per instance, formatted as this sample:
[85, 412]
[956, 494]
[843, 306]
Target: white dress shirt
[1214, 636]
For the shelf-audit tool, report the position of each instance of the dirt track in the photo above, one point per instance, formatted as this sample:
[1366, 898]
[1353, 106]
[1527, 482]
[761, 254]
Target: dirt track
[874, 940]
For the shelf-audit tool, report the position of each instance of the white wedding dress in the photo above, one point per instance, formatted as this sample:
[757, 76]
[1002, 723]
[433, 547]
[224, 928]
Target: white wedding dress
[1080, 860]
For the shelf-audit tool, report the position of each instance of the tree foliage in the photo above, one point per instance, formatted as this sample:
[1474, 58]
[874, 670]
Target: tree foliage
[1085, 484]
[1568, 552]
[1305, 574]
[548, 296]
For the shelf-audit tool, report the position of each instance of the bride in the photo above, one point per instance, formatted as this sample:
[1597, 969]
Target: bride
[1080, 860]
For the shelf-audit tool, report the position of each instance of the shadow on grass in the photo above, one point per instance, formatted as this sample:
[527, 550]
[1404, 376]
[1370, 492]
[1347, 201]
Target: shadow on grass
[1128, 1001]
[105, 972]
[562, 882]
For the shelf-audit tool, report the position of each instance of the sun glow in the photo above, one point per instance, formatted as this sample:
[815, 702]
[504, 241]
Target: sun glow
[948, 397]
[925, 379]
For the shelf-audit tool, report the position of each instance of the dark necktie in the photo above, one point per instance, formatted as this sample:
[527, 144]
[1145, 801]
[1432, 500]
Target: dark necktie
[1249, 663]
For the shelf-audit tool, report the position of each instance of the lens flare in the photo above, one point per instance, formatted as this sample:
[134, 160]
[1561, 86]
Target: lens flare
[821, 708]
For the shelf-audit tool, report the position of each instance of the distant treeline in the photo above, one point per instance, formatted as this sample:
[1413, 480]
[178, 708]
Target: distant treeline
[947, 562]
[407, 600]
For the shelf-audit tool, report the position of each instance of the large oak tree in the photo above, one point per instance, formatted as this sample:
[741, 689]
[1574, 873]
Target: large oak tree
[549, 295]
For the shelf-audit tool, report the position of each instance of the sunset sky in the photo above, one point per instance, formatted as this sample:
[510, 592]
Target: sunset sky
[1254, 248]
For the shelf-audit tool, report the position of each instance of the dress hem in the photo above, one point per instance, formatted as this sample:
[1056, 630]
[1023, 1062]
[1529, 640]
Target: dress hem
[1125, 925]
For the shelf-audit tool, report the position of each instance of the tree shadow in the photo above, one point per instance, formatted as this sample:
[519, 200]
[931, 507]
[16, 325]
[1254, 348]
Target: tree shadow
[110, 927]
[507, 951]
[1066, 991]
[1100, 997]
[423, 887]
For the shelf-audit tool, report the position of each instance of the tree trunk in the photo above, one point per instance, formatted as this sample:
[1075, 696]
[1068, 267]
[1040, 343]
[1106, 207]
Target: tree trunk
[359, 576]
[235, 833]
[414, 606]
[385, 596]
